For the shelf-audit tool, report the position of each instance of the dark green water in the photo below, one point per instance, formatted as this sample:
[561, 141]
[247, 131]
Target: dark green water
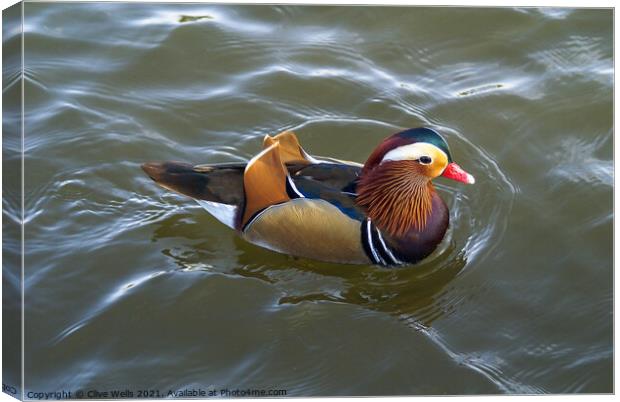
[130, 286]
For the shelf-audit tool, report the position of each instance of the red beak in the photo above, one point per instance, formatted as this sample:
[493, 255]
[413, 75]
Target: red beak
[455, 172]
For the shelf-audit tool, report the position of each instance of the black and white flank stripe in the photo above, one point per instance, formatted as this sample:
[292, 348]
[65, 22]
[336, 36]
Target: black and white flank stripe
[375, 247]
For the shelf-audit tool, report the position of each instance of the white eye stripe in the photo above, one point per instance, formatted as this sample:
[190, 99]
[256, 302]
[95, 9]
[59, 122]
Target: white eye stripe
[412, 152]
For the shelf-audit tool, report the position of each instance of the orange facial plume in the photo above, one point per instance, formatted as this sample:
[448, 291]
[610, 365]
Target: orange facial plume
[397, 197]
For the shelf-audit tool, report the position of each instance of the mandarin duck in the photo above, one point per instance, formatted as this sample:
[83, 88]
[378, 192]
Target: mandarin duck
[383, 212]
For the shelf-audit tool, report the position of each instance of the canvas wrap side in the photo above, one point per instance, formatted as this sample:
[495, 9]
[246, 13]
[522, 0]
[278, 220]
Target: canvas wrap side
[12, 200]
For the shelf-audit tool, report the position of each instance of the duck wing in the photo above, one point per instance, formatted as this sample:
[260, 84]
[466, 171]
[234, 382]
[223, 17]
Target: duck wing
[223, 182]
[338, 175]
[310, 188]
[235, 192]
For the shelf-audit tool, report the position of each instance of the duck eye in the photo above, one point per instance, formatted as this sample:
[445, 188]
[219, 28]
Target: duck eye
[425, 160]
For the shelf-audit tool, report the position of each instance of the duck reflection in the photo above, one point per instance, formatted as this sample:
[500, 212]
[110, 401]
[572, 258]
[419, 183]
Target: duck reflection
[414, 294]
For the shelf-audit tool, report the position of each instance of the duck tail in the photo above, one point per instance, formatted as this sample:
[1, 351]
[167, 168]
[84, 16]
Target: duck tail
[216, 183]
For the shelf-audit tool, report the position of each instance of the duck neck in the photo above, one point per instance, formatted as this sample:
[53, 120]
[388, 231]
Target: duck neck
[397, 198]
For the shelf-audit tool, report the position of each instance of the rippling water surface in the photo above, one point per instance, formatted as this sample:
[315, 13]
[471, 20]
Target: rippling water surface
[128, 285]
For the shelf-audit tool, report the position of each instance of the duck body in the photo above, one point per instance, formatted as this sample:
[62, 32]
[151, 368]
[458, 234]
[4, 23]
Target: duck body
[287, 201]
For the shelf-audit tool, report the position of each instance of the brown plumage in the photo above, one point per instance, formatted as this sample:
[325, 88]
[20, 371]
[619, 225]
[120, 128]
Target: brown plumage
[397, 196]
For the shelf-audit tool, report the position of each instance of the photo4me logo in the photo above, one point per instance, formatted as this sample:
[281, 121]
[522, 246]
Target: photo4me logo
[225, 392]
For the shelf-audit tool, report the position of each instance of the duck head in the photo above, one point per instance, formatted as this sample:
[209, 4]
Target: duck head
[396, 186]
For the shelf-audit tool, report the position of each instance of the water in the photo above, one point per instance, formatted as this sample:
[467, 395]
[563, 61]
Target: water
[130, 286]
